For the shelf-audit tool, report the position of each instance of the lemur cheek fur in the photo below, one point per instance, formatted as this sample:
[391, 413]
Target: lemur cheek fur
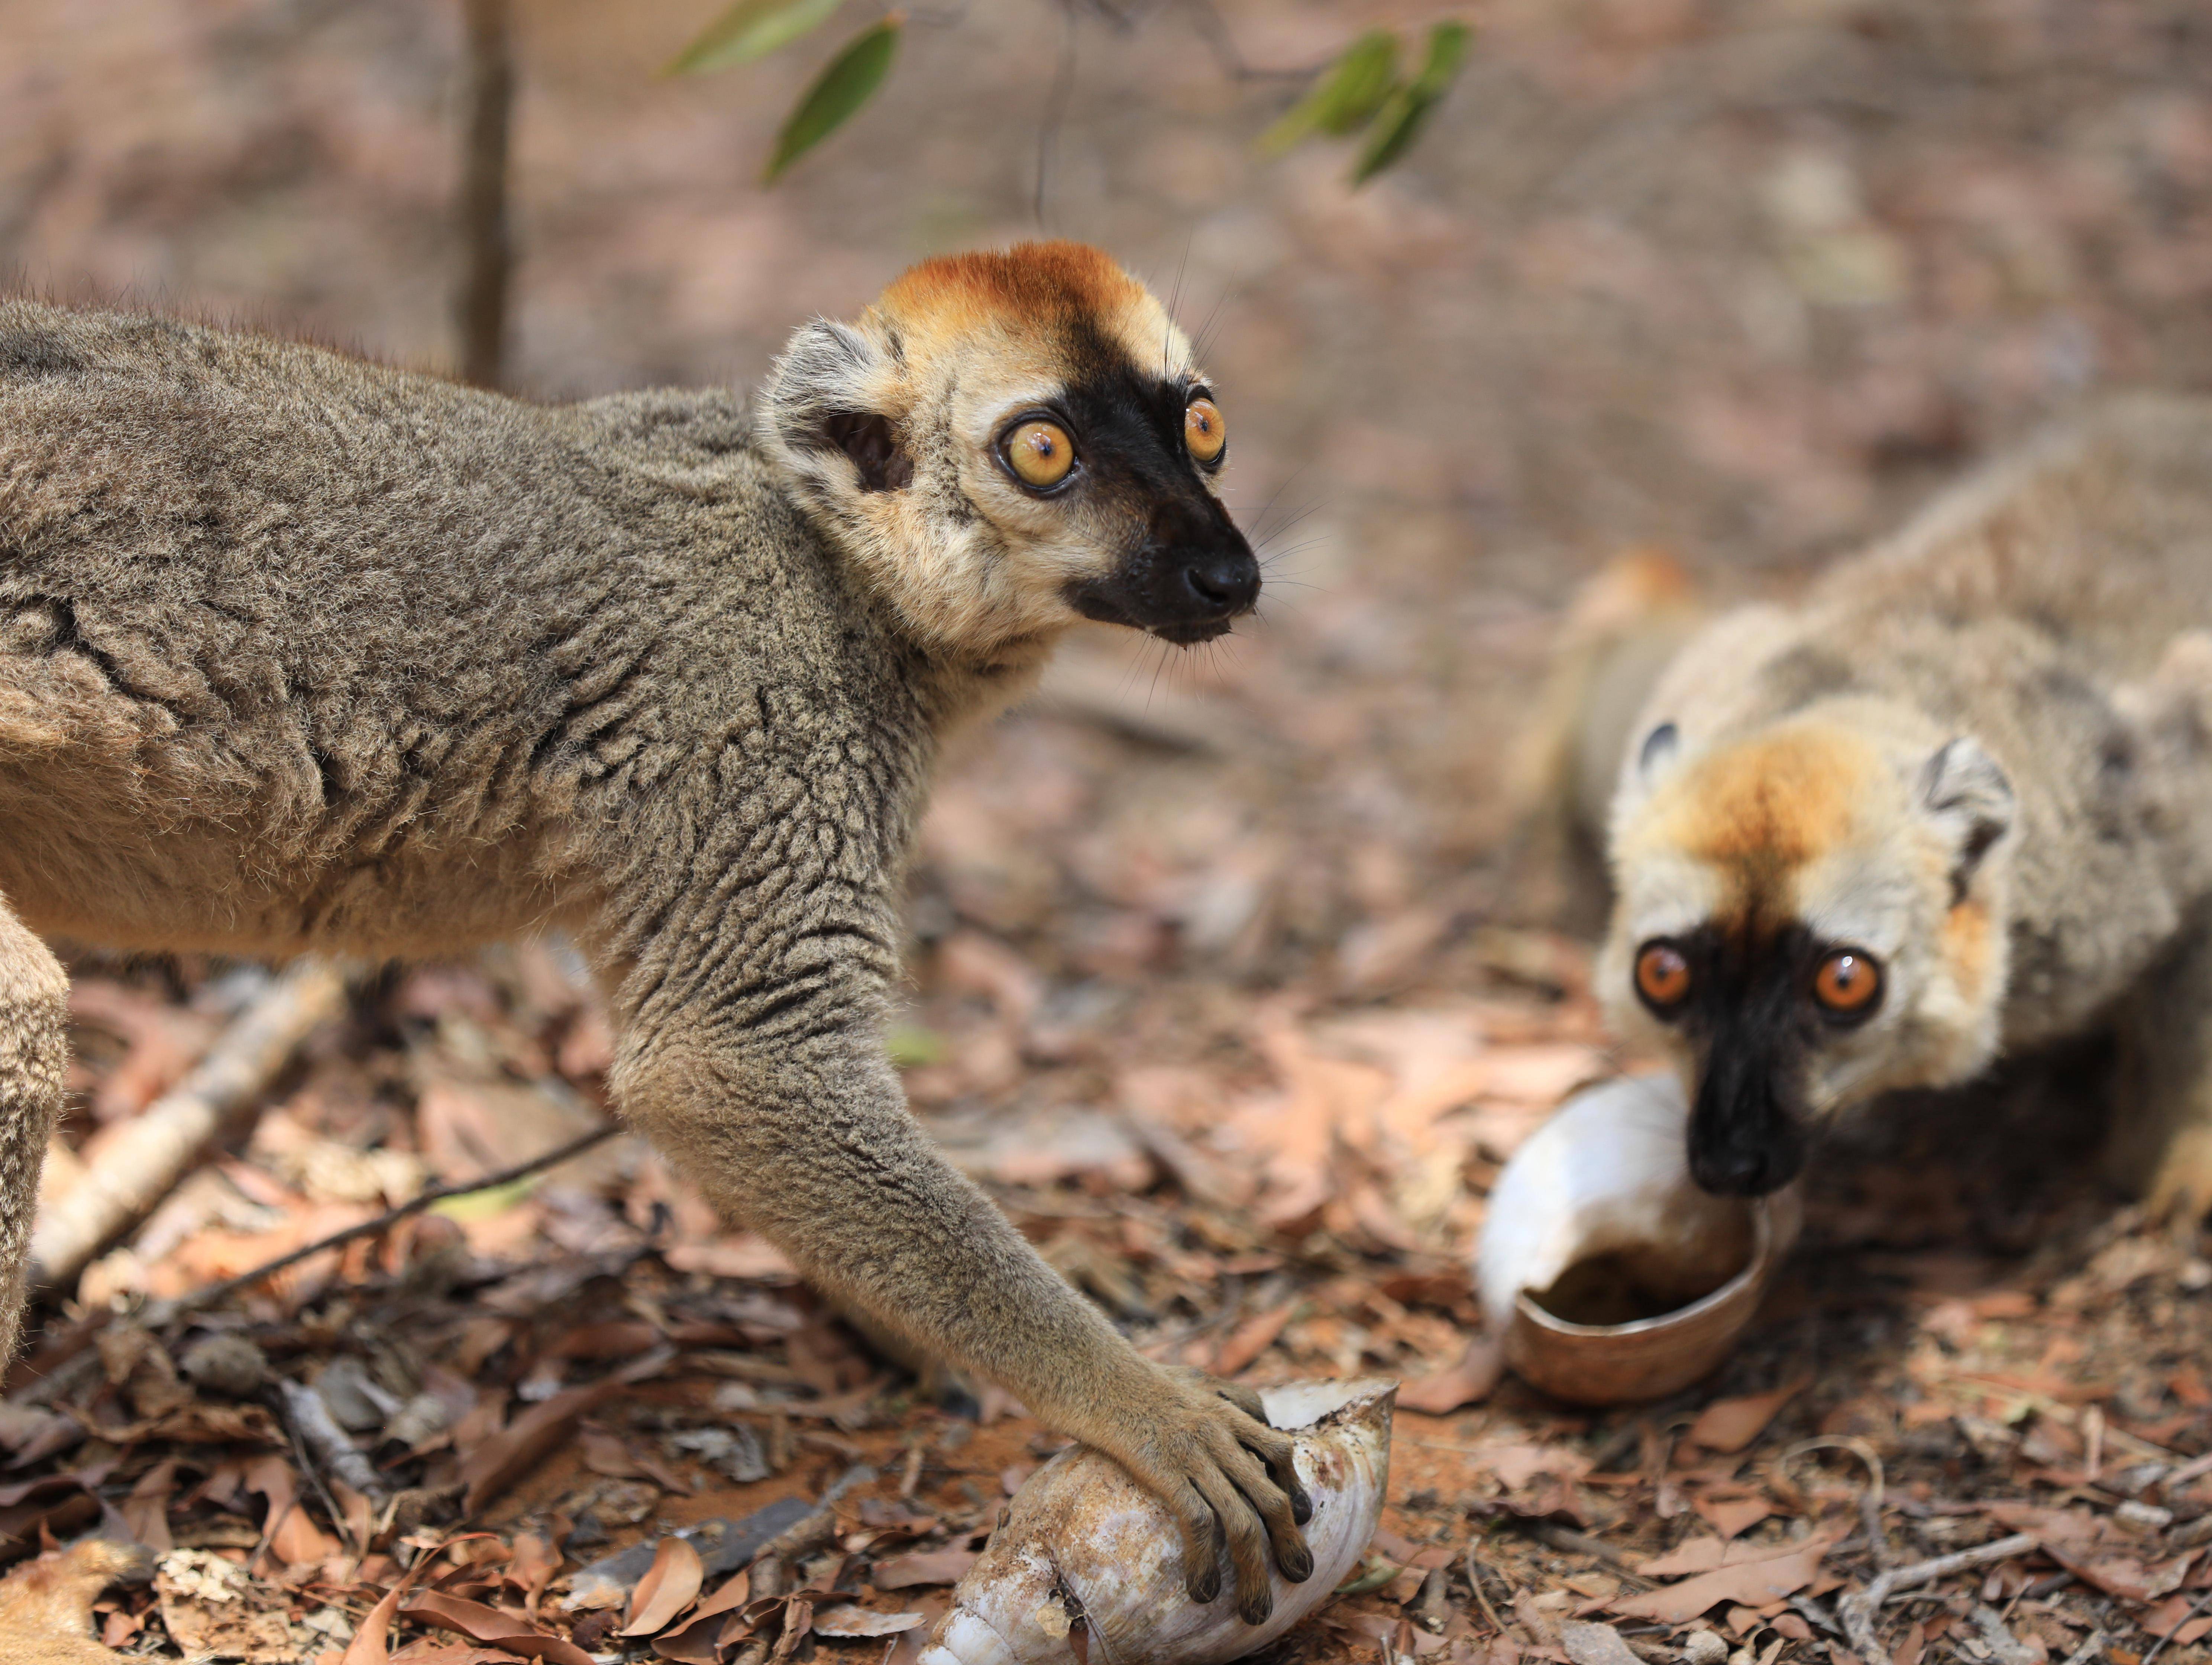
[665, 671]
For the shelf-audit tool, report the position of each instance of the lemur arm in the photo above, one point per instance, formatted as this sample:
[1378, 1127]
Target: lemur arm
[775, 1095]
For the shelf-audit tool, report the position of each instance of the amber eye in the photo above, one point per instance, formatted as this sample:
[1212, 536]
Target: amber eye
[1203, 429]
[1847, 982]
[1663, 975]
[1040, 453]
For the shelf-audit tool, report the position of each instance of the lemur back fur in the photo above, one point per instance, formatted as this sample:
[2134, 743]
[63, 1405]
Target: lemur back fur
[299, 652]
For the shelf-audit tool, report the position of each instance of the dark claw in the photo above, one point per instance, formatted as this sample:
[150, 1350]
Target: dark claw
[1301, 1509]
[1206, 1586]
[1297, 1567]
[1256, 1609]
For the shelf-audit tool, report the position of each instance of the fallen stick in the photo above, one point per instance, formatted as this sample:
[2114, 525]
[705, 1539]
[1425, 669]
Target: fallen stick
[320, 1433]
[168, 1312]
[1858, 1611]
[142, 1160]
[82, 1361]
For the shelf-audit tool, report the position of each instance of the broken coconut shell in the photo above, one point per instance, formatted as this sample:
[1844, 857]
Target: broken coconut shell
[1607, 1275]
[1085, 1549]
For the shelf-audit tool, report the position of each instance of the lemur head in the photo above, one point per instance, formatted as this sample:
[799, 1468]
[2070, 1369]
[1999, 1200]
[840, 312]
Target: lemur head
[1007, 442]
[1808, 913]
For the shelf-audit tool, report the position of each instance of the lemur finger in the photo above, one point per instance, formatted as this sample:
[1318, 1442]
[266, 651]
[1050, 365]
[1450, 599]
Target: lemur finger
[1278, 1452]
[1276, 1506]
[1202, 1540]
[1247, 1541]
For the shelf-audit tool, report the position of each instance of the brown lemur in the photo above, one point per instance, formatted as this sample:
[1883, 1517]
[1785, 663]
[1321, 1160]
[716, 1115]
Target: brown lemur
[301, 652]
[1958, 803]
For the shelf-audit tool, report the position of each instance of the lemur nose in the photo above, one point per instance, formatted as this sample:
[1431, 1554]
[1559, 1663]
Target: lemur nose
[1733, 1171]
[1228, 582]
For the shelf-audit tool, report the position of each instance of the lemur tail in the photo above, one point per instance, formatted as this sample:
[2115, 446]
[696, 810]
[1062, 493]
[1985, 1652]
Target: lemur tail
[1625, 626]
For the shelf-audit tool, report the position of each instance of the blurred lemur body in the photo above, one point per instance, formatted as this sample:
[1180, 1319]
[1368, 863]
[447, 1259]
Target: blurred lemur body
[1957, 803]
[298, 651]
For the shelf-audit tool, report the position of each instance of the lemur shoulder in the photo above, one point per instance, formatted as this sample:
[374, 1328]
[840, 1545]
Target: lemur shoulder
[302, 653]
[1957, 803]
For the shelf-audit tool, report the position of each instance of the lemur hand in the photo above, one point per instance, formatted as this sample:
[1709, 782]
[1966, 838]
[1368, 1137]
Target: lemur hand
[1203, 1447]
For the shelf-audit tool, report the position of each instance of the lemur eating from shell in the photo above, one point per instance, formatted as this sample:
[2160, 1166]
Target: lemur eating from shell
[298, 653]
[1957, 803]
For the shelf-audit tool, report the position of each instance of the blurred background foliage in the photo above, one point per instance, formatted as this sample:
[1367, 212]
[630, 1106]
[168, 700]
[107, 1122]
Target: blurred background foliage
[1360, 89]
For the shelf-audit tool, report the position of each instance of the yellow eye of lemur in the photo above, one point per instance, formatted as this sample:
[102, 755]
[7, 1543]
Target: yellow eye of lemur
[1847, 981]
[1041, 453]
[1662, 975]
[1203, 429]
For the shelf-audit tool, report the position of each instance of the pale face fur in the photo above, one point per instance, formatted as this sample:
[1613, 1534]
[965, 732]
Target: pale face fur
[895, 429]
[1854, 829]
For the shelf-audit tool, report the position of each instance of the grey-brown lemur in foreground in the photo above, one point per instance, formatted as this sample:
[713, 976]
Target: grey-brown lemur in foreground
[301, 652]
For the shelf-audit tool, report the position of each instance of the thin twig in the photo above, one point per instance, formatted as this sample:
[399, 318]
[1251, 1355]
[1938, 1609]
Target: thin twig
[315, 1478]
[1474, 1583]
[167, 1312]
[480, 302]
[1857, 1612]
[1569, 1542]
[2091, 1646]
[2159, 1646]
[1869, 1500]
[319, 1431]
[1055, 107]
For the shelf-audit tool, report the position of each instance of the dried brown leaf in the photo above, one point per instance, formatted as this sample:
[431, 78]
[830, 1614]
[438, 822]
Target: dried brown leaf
[1751, 1583]
[1728, 1426]
[929, 1566]
[509, 1632]
[670, 1585]
[512, 1452]
[861, 1621]
[1464, 1382]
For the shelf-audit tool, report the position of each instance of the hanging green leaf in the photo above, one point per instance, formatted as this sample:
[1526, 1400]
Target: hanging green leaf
[750, 29]
[1408, 108]
[840, 89]
[1343, 97]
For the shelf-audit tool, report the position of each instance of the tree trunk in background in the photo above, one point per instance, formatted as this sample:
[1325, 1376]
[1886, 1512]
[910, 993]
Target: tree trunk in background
[480, 303]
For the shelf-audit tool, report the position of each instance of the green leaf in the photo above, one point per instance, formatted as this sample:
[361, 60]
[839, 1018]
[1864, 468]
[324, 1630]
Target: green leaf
[486, 1205]
[1374, 1572]
[750, 29]
[841, 88]
[911, 1044]
[1343, 97]
[1409, 109]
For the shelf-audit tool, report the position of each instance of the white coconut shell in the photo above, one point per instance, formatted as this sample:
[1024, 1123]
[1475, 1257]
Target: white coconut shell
[1084, 1545]
[1610, 1169]
[1608, 1174]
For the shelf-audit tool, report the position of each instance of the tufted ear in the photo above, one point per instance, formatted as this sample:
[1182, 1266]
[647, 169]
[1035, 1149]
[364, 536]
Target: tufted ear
[1966, 793]
[827, 393]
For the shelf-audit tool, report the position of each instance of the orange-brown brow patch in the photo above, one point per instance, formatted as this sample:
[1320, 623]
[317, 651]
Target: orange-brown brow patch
[1031, 282]
[1762, 810]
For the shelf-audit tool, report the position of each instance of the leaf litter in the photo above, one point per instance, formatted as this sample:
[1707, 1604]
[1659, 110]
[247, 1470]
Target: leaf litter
[1230, 992]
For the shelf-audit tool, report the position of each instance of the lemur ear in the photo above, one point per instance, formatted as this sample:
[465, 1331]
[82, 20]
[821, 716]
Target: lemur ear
[869, 441]
[827, 392]
[1966, 794]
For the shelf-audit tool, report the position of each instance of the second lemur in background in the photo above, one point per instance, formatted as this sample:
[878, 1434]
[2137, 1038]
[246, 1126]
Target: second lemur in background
[1957, 803]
